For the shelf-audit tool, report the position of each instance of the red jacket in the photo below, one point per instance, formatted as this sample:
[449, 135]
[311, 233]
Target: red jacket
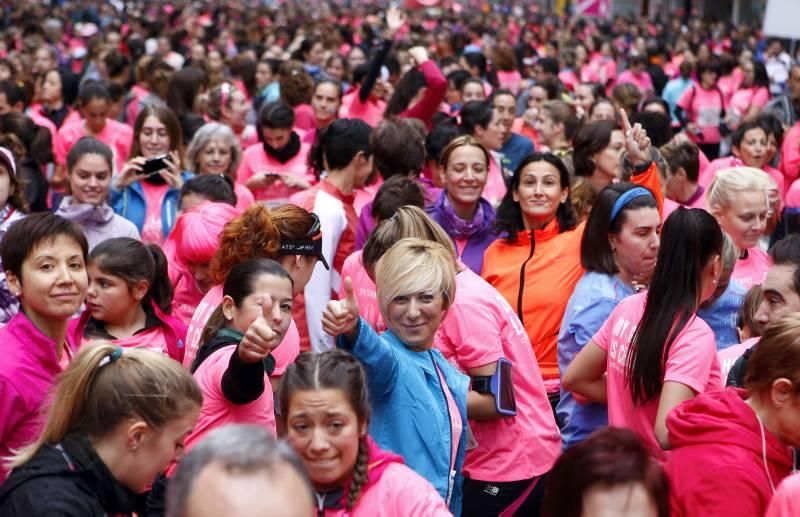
[717, 465]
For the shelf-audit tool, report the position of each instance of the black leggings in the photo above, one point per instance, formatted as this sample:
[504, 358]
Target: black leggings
[488, 499]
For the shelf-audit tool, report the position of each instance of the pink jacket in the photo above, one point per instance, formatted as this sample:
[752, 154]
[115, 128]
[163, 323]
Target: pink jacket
[790, 154]
[168, 338]
[28, 370]
[392, 490]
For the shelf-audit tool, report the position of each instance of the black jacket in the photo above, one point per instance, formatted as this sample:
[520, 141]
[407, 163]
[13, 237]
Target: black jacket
[68, 480]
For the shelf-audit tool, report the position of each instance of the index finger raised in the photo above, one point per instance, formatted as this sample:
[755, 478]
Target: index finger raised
[626, 124]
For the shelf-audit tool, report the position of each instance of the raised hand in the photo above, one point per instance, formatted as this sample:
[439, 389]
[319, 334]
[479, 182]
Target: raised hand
[637, 143]
[395, 19]
[341, 316]
[260, 340]
[418, 54]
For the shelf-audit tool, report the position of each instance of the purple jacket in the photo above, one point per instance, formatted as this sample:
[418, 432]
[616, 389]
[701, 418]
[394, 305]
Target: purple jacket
[99, 223]
[28, 369]
[483, 234]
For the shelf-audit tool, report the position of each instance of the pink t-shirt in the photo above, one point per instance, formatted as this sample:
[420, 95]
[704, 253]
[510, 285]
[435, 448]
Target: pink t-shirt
[479, 329]
[365, 291]
[116, 135]
[703, 108]
[284, 355]
[728, 356]
[745, 98]
[256, 161]
[153, 230]
[370, 112]
[691, 360]
[708, 174]
[641, 81]
[793, 195]
[752, 270]
[786, 502]
[218, 411]
[495, 188]
[244, 198]
[248, 136]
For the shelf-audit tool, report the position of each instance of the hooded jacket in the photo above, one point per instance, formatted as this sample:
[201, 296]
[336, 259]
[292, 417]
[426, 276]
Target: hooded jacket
[720, 465]
[386, 491]
[99, 223]
[67, 480]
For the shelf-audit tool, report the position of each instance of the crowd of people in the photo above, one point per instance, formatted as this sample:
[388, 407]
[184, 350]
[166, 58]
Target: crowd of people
[355, 259]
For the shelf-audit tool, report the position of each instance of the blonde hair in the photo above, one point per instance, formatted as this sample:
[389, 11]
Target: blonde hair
[407, 222]
[412, 266]
[728, 182]
[106, 385]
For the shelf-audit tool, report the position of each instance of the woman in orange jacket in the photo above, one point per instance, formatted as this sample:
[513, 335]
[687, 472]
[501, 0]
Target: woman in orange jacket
[537, 264]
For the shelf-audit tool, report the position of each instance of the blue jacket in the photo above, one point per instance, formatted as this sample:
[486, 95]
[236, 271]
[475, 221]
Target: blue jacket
[592, 301]
[130, 204]
[409, 409]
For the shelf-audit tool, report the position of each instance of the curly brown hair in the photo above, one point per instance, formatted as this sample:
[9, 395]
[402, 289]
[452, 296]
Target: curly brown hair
[257, 233]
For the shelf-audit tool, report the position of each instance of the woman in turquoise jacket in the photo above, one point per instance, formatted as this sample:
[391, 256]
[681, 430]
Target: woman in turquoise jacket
[418, 399]
[147, 189]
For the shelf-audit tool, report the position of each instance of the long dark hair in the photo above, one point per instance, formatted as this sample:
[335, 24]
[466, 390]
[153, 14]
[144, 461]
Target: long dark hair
[239, 285]
[408, 86]
[689, 240]
[133, 261]
[596, 253]
[509, 213]
[338, 370]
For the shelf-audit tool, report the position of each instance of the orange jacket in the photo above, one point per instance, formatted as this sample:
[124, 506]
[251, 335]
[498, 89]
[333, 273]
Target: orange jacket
[537, 277]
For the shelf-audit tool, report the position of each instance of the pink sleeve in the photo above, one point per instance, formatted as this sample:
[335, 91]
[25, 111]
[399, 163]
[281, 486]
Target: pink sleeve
[790, 154]
[692, 356]
[760, 98]
[436, 86]
[474, 334]
[60, 149]
[397, 483]
[245, 172]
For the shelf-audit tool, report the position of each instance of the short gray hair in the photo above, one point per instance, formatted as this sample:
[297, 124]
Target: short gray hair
[207, 133]
[236, 448]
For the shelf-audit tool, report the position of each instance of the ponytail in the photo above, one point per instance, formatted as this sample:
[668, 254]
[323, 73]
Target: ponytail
[134, 261]
[689, 240]
[258, 233]
[337, 145]
[106, 385]
[160, 292]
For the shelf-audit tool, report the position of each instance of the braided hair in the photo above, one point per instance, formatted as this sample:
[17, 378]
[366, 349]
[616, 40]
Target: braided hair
[334, 369]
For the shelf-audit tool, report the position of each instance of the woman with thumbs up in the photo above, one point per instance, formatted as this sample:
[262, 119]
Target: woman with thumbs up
[233, 365]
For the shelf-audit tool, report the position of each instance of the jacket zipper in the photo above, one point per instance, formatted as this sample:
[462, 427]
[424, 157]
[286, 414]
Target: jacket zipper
[522, 280]
[440, 375]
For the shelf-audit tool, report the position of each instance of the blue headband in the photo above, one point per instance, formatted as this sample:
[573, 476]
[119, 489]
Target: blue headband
[623, 200]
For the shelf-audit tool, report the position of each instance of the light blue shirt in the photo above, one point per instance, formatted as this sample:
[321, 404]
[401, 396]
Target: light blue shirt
[672, 93]
[592, 301]
[723, 315]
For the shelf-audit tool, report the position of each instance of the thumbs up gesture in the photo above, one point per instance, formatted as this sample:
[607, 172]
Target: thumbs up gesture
[341, 316]
[637, 143]
[259, 339]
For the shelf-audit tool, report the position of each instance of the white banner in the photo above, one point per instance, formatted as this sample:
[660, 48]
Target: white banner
[781, 19]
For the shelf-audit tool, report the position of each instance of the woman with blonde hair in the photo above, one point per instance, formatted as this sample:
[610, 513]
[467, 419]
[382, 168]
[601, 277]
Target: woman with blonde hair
[481, 335]
[419, 399]
[119, 416]
[739, 199]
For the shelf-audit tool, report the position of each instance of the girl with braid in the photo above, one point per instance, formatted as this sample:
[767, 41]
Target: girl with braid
[326, 413]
